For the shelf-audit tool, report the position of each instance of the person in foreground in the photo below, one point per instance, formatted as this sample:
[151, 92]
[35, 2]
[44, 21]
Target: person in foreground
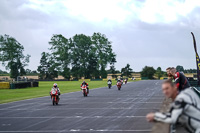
[185, 108]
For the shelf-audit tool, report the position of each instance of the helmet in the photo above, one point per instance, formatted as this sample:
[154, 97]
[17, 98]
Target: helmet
[84, 82]
[54, 85]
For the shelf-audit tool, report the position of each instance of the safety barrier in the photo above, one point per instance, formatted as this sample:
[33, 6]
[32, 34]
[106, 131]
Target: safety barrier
[23, 85]
[34, 84]
[84, 80]
[96, 79]
[4, 85]
[144, 78]
[161, 78]
[20, 85]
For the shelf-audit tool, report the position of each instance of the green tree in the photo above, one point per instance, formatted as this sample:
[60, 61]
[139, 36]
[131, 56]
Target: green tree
[60, 49]
[47, 68]
[148, 72]
[82, 55]
[112, 67]
[180, 68]
[3, 72]
[159, 72]
[34, 72]
[104, 51]
[126, 71]
[12, 57]
[28, 71]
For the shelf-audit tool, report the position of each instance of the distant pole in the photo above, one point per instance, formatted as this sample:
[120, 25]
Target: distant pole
[197, 59]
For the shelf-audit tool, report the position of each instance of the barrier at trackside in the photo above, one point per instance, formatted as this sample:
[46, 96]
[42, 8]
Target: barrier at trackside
[84, 80]
[162, 78]
[20, 85]
[96, 79]
[4, 85]
[24, 85]
[144, 78]
[7, 85]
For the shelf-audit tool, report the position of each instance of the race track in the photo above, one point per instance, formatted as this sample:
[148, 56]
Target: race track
[104, 110]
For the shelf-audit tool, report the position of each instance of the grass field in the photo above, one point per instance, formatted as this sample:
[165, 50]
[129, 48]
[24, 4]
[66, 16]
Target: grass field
[10, 95]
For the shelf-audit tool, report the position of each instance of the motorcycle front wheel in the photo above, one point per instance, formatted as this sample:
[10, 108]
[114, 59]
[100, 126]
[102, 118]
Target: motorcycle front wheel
[53, 101]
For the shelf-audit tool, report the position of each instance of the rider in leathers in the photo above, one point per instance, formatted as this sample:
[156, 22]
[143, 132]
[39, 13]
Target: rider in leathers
[185, 109]
[109, 80]
[55, 87]
[84, 83]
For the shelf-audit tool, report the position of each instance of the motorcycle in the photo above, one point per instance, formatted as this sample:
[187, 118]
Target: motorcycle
[84, 90]
[118, 85]
[122, 82]
[54, 97]
[125, 81]
[109, 84]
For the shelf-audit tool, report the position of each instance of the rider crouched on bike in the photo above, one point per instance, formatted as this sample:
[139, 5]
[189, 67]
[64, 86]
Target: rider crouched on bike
[55, 87]
[84, 83]
[119, 81]
[109, 80]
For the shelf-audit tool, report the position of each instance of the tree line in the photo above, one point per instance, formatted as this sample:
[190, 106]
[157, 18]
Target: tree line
[75, 57]
[12, 57]
[78, 56]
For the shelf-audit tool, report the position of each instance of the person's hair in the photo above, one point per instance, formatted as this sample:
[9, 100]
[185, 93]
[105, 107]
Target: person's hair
[168, 68]
[169, 81]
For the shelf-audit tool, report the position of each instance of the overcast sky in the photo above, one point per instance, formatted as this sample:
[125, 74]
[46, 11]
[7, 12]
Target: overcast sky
[143, 32]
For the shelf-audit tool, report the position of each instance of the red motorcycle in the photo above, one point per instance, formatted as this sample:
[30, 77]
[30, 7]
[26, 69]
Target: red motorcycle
[122, 81]
[54, 97]
[119, 85]
[125, 81]
[84, 90]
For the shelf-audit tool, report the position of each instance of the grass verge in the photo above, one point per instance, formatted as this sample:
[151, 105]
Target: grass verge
[10, 95]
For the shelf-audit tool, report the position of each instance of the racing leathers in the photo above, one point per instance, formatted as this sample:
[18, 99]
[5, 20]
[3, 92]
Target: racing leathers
[109, 81]
[185, 109]
[86, 85]
[119, 81]
[181, 81]
[56, 89]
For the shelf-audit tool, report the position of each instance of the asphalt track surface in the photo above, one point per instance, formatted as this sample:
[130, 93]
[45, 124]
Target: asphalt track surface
[103, 111]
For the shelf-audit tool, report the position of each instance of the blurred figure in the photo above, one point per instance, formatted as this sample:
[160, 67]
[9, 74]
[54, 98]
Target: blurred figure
[168, 73]
[109, 80]
[180, 79]
[185, 108]
[125, 80]
[119, 80]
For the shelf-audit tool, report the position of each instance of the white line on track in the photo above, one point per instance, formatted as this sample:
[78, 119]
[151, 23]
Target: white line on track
[60, 117]
[80, 103]
[76, 130]
[81, 109]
